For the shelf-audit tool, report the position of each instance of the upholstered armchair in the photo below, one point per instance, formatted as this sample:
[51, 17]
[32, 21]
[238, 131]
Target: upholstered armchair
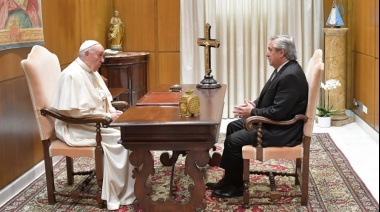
[300, 153]
[42, 70]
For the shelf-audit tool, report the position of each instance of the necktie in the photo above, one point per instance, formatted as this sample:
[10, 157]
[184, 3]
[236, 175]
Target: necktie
[274, 75]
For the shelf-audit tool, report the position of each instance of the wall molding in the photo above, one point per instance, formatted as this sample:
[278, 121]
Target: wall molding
[9, 191]
[364, 125]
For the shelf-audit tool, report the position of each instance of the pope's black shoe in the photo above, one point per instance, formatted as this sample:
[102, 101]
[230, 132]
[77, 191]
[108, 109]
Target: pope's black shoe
[229, 192]
[219, 185]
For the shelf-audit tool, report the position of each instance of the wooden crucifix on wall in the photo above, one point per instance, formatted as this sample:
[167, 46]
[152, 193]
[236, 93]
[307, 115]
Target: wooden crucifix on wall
[207, 42]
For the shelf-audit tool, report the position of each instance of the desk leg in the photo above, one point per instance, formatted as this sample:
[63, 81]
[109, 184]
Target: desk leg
[215, 158]
[144, 159]
[166, 160]
[194, 159]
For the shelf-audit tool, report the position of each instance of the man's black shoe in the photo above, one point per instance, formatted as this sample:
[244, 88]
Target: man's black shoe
[229, 192]
[217, 186]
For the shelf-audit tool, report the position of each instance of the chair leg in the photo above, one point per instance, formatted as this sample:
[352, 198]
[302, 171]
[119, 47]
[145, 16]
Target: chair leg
[49, 172]
[298, 171]
[70, 170]
[274, 194]
[49, 179]
[305, 172]
[305, 182]
[246, 183]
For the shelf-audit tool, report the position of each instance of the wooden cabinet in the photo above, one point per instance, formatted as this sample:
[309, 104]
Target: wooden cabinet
[128, 70]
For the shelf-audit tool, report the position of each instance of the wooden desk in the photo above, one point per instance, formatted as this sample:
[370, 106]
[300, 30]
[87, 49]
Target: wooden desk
[145, 128]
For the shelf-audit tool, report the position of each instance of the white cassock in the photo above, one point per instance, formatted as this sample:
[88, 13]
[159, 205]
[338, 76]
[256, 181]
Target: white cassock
[81, 92]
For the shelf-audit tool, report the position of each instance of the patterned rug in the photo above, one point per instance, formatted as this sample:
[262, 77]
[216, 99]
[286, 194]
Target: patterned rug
[333, 186]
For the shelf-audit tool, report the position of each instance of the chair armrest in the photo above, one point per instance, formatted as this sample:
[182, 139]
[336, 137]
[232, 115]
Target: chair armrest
[104, 120]
[120, 105]
[250, 121]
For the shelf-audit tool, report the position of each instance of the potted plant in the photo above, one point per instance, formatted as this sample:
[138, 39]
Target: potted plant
[325, 112]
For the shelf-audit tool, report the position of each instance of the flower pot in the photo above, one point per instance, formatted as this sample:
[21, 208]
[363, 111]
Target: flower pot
[324, 121]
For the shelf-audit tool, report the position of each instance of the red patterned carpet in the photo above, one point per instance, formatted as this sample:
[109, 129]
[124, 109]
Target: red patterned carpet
[334, 186]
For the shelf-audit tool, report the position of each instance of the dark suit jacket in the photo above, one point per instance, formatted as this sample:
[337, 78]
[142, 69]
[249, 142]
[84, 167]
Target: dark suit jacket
[281, 99]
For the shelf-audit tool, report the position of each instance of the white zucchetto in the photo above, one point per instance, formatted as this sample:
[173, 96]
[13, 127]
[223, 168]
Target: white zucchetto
[87, 44]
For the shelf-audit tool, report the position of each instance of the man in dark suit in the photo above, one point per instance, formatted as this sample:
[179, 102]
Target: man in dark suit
[283, 96]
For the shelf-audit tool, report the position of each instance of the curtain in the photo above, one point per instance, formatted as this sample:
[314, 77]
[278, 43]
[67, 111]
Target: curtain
[243, 28]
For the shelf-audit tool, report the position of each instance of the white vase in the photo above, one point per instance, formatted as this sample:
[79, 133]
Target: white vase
[324, 121]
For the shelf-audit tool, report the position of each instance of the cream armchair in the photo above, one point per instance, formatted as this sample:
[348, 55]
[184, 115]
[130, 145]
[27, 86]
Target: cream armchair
[300, 153]
[42, 70]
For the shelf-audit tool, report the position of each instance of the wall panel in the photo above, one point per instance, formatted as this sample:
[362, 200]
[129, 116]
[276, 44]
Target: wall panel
[349, 52]
[169, 68]
[153, 26]
[168, 25]
[365, 86]
[139, 19]
[377, 29]
[62, 28]
[152, 71]
[376, 114]
[364, 22]
[94, 22]
[10, 63]
[21, 147]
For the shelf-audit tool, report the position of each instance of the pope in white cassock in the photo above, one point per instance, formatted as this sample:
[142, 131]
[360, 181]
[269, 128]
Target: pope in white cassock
[80, 92]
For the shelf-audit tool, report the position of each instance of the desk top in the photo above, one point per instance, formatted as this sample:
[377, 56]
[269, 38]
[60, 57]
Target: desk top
[211, 108]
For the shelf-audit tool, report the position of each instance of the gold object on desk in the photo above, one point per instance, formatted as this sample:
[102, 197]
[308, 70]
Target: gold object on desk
[189, 104]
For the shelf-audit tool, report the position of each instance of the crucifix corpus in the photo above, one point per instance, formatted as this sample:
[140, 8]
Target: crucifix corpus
[207, 42]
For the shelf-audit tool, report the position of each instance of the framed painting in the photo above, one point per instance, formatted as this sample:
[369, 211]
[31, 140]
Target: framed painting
[20, 24]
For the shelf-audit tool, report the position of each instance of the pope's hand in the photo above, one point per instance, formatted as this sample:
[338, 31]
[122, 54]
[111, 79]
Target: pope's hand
[116, 114]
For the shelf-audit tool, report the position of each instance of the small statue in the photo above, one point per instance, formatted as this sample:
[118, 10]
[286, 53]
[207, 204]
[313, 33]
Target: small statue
[335, 18]
[116, 32]
[189, 104]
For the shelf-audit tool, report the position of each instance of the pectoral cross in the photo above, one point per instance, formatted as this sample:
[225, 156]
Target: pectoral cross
[208, 43]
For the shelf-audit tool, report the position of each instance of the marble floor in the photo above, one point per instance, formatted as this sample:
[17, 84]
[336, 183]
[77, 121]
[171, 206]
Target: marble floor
[359, 143]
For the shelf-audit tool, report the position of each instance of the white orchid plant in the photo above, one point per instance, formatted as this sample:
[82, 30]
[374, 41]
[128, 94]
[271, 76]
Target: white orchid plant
[331, 84]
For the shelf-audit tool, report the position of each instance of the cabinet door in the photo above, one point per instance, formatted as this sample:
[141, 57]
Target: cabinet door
[118, 76]
[138, 81]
